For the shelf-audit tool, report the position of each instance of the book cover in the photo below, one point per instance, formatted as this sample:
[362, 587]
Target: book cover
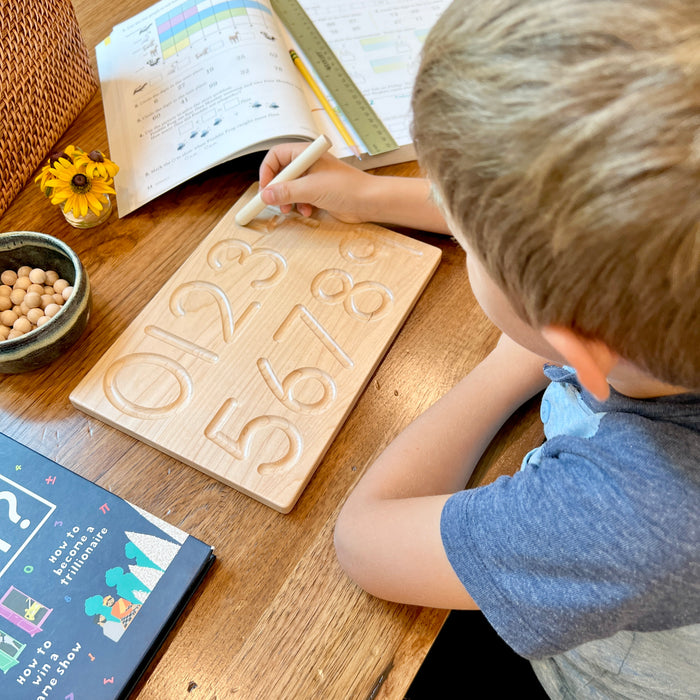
[90, 585]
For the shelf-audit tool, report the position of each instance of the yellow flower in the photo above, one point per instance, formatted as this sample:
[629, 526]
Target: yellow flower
[75, 190]
[77, 181]
[42, 178]
[47, 172]
[73, 151]
[96, 165]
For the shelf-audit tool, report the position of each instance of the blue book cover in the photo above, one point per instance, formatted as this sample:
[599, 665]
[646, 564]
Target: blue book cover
[90, 585]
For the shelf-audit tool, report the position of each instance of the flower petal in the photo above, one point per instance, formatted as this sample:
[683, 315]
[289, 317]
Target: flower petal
[60, 196]
[101, 187]
[93, 202]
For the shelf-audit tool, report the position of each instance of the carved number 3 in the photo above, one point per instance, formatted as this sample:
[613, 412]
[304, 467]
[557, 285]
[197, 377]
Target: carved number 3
[234, 249]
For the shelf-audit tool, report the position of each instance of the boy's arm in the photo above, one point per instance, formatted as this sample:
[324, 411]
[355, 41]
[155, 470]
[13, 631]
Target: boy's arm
[351, 195]
[388, 533]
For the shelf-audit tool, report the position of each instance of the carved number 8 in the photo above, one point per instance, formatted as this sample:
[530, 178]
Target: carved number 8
[352, 295]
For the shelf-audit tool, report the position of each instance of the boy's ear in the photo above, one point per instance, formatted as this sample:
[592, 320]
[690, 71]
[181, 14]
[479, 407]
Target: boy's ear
[592, 359]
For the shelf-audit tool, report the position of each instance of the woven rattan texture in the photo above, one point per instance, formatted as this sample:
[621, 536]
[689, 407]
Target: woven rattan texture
[45, 81]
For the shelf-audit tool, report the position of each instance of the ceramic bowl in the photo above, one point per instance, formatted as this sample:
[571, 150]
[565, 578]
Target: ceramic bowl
[46, 343]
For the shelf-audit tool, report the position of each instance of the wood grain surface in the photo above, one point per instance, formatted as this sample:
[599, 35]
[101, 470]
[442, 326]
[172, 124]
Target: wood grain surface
[275, 618]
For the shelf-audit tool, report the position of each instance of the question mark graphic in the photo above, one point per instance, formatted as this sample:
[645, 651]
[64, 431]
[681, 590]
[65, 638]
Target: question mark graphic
[12, 514]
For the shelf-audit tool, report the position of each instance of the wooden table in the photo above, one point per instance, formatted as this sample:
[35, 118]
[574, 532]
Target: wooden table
[276, 617]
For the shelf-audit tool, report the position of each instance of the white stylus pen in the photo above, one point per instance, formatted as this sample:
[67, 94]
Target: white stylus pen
[296, 168]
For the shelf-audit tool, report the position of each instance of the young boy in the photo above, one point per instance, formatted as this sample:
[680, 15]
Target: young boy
[561, 139]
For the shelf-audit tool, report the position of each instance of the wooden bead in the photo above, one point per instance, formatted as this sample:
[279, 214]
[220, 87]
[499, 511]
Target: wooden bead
[37, 276]
[8, 277]
[59, 285]
[17, 296]
[51, 310]
[7, 318]
[22, 324]
[32, 300]
[35, 314]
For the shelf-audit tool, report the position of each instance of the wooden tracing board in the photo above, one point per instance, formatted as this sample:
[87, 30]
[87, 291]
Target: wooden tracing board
[248, 360]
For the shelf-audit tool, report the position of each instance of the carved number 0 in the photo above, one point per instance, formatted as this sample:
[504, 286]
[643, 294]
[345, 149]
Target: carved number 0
[119, 400]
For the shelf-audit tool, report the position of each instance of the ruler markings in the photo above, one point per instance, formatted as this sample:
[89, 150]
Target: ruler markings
[369, 127]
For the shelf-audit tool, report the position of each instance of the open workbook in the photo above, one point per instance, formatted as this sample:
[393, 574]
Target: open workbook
[189, 84]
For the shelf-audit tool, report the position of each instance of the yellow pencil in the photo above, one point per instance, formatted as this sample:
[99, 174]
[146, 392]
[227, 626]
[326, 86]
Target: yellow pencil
[347, 137]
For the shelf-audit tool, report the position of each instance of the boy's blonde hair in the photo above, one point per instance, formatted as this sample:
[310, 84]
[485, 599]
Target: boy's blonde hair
[563, 137]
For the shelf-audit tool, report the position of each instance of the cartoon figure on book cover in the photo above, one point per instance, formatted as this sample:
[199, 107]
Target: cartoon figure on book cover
[113, 614]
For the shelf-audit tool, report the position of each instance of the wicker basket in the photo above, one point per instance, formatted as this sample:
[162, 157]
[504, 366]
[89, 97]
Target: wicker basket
[45, 81]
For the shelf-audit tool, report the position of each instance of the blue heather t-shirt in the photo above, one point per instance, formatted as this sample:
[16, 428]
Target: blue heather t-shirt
[587, 560]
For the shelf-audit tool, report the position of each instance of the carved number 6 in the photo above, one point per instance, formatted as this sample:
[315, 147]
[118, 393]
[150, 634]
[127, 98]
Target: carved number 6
[284, 390]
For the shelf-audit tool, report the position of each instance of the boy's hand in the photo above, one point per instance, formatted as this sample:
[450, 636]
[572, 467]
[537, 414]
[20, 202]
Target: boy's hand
[329, 184]
[349, 194]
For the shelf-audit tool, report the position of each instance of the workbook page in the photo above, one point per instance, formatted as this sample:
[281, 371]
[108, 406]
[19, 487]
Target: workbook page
[379, 46]
[188, 85]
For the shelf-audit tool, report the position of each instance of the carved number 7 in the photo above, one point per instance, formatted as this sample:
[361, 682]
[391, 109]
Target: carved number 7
[284, 389]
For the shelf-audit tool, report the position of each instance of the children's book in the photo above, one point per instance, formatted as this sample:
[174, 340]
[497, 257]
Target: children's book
[187, 85]
[90, 585]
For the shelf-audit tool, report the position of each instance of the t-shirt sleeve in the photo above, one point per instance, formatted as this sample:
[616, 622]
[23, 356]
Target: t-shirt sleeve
[562, 552]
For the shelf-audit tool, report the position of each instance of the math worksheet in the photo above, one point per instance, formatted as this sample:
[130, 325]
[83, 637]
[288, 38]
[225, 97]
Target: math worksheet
[379, 45]
[188, 85]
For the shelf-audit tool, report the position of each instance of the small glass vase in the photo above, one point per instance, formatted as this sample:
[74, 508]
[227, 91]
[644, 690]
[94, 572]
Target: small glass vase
[90, 219]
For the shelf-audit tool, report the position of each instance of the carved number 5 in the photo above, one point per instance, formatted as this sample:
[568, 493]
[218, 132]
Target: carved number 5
[240, 448]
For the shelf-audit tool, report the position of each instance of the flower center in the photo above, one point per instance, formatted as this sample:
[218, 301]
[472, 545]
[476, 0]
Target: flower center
[96, 156]
[53, 158]
[80, 183]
